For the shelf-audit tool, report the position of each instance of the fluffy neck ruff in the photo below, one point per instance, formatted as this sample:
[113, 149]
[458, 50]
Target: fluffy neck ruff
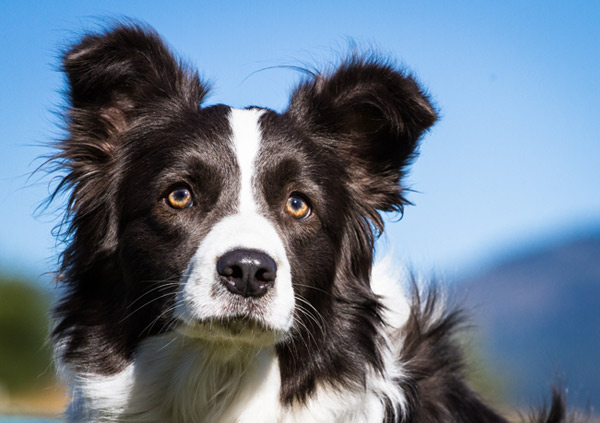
[180, 379]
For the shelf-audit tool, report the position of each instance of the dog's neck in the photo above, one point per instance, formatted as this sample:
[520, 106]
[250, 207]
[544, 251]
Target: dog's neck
[210, 381]
[180, 379]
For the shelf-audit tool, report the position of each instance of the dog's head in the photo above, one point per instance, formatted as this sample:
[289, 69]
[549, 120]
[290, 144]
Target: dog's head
[235, 226]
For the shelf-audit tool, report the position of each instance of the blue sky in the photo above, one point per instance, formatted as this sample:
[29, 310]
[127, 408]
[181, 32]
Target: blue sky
[514, 162]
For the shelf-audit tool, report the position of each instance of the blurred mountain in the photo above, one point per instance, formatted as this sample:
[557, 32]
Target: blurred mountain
[538, 321]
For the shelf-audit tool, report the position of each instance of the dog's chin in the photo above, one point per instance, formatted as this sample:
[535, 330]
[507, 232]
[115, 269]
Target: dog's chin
[237, 331]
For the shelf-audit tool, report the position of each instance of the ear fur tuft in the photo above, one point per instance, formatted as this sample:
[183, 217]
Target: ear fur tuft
[373, 115]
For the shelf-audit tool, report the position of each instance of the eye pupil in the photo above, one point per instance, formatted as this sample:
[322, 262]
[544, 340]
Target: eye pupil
[296, 203]
[180, 194]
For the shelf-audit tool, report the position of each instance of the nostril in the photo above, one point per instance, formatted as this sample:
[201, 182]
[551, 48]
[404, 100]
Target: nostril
[233, 271]
[237, 272]
[265, 275]
[266, 271]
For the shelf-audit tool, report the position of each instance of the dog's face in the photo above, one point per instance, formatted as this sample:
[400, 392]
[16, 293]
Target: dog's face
[236, 226]
[238, 283]
[223, 211]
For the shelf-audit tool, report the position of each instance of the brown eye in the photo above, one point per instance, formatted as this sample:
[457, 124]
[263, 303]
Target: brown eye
[297, 207]
[181, 198]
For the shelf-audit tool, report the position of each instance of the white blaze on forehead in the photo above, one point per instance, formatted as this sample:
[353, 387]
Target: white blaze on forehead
[202, 296]
[246, 137]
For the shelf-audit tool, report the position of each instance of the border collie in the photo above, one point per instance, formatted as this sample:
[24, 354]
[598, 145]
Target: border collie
[218, 265]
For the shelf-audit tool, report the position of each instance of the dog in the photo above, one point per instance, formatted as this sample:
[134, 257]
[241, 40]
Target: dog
[218, 264]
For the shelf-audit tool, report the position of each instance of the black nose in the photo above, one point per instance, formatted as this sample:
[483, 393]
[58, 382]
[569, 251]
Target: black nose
[249, 273]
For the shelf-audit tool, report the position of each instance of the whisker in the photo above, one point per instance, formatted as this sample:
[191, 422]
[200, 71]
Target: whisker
[167, 344]
[145, 305]
[310, 338]
[149, 327]
[317, 314]
[316, 289]
[309, 315]
[156, 288]
[308, 332]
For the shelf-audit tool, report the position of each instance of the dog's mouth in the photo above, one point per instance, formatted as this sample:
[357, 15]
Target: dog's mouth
[232, 329]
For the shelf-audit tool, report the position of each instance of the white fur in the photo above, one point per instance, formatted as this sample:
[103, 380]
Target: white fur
[95, 398]
[246, 141]
[386, 283]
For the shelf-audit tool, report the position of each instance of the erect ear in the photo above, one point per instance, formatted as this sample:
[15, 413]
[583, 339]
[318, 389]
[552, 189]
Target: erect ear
[372, 115]
[114, 78]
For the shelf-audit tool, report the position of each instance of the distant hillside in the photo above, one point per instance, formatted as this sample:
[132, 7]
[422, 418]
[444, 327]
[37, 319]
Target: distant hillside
[27, 382]
[538, 317]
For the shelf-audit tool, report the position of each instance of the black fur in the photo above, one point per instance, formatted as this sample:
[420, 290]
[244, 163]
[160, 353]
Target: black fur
[137, 126]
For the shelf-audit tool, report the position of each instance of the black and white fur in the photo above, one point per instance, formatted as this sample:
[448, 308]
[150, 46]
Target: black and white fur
[149, 329]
